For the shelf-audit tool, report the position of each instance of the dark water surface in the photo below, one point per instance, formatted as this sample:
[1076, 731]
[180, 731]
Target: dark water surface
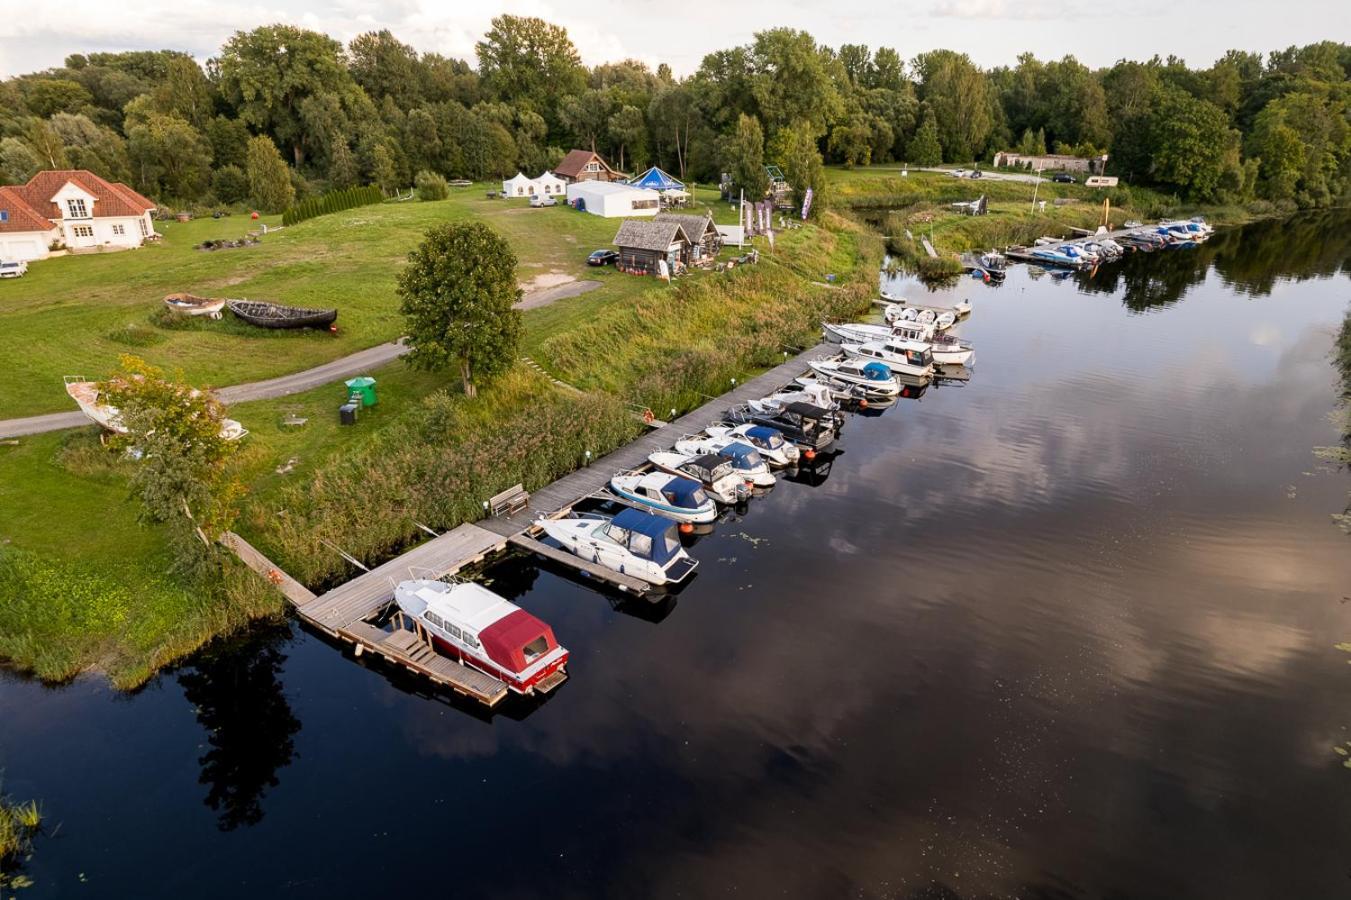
[1065, 631]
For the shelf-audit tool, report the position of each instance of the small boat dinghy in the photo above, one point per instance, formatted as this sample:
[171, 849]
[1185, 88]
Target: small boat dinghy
[671, 496]
[274, 315]
[189, 305]
[717, 475]
[901, 356]
[773, 446]
[470, 623]
[87, 396]
[873, 378]
[632, 543]
[959, 309]
[747, 461]
[938, 320]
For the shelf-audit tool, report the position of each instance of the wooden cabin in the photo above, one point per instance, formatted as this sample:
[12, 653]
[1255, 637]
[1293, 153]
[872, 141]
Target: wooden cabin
[705, 242]
[585, 165]
[643, 244]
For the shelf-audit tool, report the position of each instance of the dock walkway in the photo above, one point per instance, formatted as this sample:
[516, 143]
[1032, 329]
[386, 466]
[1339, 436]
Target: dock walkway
[345, 611]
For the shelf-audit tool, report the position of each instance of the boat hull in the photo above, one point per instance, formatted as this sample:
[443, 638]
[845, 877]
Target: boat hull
[272, 315]
[513, 680]
[701, 516]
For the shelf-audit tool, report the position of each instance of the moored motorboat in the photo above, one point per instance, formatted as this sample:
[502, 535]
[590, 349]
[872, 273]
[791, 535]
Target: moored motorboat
[717, 475]
[776, 449]
[189, 305]
[470, 623]
[671, 496]
[901, 356]
[818, 395]
[842, 391]
[875, 379]
[809, 426]
[947, 349]
[275, 315]
[745, 459]
[634, 543]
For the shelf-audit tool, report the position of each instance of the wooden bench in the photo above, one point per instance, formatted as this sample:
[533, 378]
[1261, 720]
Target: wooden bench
[512, 500]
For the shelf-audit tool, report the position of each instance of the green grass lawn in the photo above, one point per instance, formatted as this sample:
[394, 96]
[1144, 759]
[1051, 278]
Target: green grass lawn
[76, 314]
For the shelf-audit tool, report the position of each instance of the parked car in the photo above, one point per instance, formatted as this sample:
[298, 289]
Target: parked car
[538, 201]
[603, 258]
[958, 173]
[13, 269]
[977, 173]
[1062, 178]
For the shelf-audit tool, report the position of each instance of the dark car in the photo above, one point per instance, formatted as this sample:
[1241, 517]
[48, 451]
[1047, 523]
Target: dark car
[602, 258]
[1062, 178]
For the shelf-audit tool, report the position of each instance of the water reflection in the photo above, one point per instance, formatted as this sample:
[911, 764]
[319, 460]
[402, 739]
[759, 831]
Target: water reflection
[235, 689]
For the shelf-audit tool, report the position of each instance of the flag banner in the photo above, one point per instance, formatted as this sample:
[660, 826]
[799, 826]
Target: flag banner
[806, 204]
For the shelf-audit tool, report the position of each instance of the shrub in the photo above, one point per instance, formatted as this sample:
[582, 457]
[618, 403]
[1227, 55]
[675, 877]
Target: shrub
[431, 186]
[230, 185]
[331, 202]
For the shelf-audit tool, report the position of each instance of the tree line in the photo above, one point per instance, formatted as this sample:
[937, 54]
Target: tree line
[284, 113]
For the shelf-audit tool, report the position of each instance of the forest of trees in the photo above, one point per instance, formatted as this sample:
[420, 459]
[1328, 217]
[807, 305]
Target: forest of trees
[280, 104]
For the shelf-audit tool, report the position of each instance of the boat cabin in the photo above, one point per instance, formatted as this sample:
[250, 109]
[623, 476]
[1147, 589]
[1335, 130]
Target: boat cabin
[743, 457]
[765, 437]
[708, 468]
[900, 352]
[645, 536]
[479, 628]
[807, 424]
[683, 493]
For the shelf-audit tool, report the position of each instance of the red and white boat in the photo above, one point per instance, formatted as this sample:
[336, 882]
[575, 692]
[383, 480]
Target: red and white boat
[472, 624]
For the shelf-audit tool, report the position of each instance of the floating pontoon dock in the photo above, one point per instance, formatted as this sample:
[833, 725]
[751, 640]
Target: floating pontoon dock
[346, 611]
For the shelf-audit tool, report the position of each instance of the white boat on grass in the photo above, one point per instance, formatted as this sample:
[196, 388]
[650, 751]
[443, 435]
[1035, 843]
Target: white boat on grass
[671, 496]
[632, 543]
[87, 396]
[902, 357]
[747, 461]
[470, 623]
[771, 443]
[874, 378]
[717, 475]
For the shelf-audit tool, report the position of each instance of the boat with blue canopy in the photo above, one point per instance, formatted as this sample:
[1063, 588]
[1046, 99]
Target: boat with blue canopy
[671, 496]
[632, 543]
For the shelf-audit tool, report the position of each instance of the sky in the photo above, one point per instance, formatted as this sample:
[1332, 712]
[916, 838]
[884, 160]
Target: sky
[992, 32]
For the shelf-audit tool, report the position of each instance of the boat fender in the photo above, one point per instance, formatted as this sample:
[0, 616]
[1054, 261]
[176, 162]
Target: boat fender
[648, 416]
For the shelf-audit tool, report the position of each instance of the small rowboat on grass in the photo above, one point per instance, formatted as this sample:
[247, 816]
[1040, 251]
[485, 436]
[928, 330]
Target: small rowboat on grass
[189, 305]
[274, 315]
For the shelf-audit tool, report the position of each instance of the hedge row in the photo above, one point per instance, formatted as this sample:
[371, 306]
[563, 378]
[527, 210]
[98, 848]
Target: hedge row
[333, 201]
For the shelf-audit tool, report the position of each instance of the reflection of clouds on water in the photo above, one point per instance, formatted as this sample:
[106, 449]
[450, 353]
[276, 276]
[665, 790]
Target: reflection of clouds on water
[1265, 335]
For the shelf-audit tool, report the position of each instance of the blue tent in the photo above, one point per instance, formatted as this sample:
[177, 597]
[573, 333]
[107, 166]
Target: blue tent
[655, 179]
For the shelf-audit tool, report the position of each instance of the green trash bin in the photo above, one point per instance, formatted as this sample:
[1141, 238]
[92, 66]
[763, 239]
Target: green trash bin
[362, 388]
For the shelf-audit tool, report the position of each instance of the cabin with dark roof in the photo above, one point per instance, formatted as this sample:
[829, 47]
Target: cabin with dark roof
[645, 243]
[585, 165]
[705, 242]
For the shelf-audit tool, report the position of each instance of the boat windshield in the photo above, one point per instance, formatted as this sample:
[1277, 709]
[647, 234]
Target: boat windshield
[765, 437]
[535, 649]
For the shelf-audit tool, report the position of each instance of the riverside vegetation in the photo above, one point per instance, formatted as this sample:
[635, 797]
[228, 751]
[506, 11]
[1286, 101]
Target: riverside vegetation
[20, 823]
[86, 583]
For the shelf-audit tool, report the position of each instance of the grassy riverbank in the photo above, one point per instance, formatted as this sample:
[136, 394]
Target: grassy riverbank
[85, 585]
[908, 208]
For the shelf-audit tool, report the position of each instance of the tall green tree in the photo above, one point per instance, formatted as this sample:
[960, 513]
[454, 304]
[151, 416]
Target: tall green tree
[793, 149]
[744, 157]
[1191, 143]
[270, 188]
[266, 74]
[458, 295]
[925, 149]
[530, 63]
[791, 81]
[961, 100]
[169, 157]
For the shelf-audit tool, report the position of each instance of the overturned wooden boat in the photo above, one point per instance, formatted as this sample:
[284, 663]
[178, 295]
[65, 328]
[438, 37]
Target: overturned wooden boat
[190, 305]
[275, 315]
[89, 398]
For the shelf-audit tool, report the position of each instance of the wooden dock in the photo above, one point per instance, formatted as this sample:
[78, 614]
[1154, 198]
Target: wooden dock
[346, 611]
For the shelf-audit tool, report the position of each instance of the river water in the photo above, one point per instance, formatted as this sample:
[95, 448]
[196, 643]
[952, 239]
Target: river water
[1067, 630]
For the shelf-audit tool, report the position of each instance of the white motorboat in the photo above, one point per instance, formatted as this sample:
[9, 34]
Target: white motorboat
[472, 624]
[902, 357]
[632, 543]
[947, 349]
[87, 396]
[940, 321]
[842, 391]
[747, 461]
[819, 396]
[960, 308]
[672, 496]
[874, 378]
[717, 475]
[771, 443]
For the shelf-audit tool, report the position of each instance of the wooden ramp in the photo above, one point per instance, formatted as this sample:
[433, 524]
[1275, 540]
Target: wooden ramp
[367, 594]
[404, 648]
[293, 590]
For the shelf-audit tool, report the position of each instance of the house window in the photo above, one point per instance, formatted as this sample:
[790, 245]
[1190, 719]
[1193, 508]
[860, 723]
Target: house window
[119, 229]
[145, 229]
[77, 208]
[593, 167]
[4, 215]
[84, 231]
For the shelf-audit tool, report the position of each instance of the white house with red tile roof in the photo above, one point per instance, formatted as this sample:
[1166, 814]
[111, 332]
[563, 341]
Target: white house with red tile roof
[73, 208]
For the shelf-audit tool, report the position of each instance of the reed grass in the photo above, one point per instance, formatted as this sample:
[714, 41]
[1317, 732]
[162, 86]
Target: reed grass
[20, 823]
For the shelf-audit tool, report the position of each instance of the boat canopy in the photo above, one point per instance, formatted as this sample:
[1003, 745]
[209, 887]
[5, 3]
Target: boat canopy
[743, 456]
[771, 436]
[710, 463]
[804, 410]
[876, 371]
[648, 536]
[685, 493]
